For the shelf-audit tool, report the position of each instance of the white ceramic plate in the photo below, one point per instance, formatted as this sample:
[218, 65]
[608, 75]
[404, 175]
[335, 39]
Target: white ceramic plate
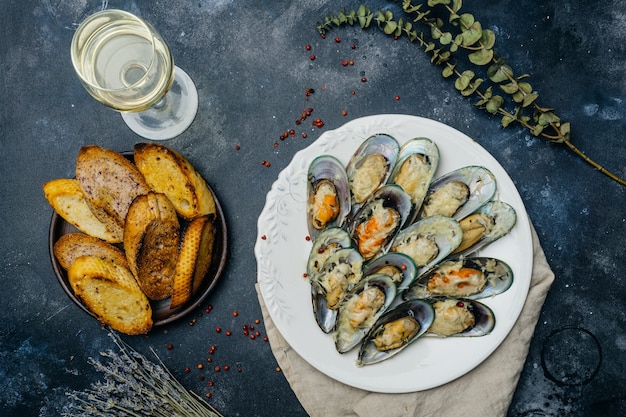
[282, 250]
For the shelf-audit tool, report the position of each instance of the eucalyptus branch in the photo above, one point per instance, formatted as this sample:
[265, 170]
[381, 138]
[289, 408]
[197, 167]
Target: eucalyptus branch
[462, 32]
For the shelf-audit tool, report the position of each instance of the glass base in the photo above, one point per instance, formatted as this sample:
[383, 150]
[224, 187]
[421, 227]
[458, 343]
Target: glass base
[172, 115]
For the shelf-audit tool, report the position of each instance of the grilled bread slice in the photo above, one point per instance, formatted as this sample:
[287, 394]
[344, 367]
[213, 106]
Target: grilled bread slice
[168, 172]
[110, 183]
[68, 200]
[194, 259]
[151, 239]
[110, 292]
[72, 246]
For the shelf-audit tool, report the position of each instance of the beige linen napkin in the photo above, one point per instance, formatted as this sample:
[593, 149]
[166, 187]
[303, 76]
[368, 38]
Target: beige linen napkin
[486, 391]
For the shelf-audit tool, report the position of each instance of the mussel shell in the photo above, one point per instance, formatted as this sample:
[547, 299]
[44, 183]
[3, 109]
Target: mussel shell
[485, 320]
[498, 273]
[392, 196]
[444, 231]
[480, 181]
[324, 315]
[505, 218]
[403, 262]
[382, 144]
[422, 311]
[328, 236]
[329, 168]
[430, 153]
[345, 336]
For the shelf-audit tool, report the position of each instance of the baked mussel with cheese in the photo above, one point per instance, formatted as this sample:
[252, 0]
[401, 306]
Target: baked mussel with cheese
[361, 308]
[459, 192]
[461, 317]
[428, 241]
[491, 222]
[370, 166]
[329, 241]
[378, 220]
[340, 273]
[473, 278]
[417, 163]
[328, 194]
[395, 330]
[398, 266]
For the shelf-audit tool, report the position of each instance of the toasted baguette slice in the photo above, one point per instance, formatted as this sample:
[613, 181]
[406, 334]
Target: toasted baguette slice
[71, 246]
[68, 200]
[194, 259]
[151, 239]
[168, 172]
[111, 293]
[110, 183]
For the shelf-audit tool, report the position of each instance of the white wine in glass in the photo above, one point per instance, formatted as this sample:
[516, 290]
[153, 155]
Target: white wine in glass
[124, 63]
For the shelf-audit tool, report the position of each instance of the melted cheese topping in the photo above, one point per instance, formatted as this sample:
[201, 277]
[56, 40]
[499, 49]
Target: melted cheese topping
[396, 333]
[447, 199]
[421, 249]
[451, 317]
[414, 176]
[338, 281]
[457, 282]
[372, 234]
[368, 176]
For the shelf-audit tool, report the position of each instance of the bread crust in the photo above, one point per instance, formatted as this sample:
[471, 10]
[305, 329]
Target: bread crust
[168, 172]
[194, 259]
[71, 246]
[151, 239]
[111, 293]
[68, 200]
[109, 182]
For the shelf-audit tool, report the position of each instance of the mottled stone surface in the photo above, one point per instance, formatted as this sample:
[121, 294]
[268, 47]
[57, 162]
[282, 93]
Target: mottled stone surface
[251, 68]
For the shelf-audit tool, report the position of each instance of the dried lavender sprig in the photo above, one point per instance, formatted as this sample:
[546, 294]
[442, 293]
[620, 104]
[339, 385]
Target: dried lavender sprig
[134, 386]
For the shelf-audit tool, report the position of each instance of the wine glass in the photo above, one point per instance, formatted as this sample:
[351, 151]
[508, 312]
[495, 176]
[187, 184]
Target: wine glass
[124, 63]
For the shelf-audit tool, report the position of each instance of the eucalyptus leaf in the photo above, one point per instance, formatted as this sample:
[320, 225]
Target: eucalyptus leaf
[529, 99]
[467, 20]
[536, 130]
[507, 120]
[448, 71]
[446, 38]
[432, 3]
[547, 118]
[498, 73]
[525, 87]
[488, 39]
[510, 88]
[456, 5]
[464, 80]
[481, 57]
[494, 104]
[390, 27]
[472, 34]
[472, 87]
